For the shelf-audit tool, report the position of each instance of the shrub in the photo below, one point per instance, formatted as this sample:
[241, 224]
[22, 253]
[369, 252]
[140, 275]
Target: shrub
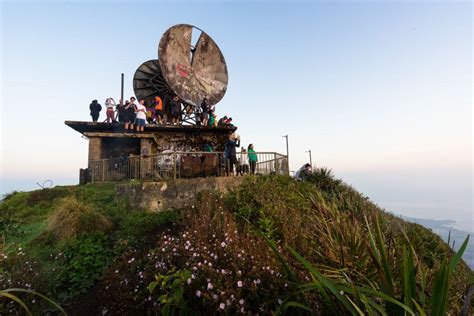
[84, 260]
[73, 218]
[231, 270]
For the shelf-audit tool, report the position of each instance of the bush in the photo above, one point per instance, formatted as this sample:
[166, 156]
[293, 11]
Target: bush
[73, 218]
[83, 261]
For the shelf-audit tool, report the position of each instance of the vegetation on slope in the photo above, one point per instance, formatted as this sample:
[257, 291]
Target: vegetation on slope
[271, 245]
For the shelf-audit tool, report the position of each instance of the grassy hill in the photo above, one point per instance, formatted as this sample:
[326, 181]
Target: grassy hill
[273, 245]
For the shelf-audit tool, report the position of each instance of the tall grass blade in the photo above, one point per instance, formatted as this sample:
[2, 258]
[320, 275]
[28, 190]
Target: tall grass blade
[47, 299]
[359, 311]
[16, 300]
[384, 259]
[439, 297]
[381, 295]
[323, 280]
[419, 309]
[457, 257]
[409, 278]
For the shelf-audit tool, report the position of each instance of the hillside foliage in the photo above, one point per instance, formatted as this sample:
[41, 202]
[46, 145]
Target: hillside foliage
[271, 246]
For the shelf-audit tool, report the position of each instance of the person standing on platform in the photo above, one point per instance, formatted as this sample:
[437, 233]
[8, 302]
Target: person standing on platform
[120, 108]
[129, 114]
[110, 105]
[205, 112]
[252, 158]
[158, 110]
[222, 121]
[95, 109]
[175, 110]
[244, 159]
[212, 119]
[140, 120]
[230, 154]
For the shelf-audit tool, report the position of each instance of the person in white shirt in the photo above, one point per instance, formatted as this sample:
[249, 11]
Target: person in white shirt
[244, 158]
[110, 105]
[140, 120]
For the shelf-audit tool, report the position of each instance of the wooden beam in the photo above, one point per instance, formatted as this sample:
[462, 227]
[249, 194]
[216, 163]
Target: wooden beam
[118, 134]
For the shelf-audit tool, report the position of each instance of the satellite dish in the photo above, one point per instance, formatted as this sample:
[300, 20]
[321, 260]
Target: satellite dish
[148, 82]
[192, 71]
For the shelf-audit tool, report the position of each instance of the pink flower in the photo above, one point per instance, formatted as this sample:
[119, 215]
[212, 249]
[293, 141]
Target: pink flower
[210, 286]
[221, 305]
[241, 302]
[240, 283]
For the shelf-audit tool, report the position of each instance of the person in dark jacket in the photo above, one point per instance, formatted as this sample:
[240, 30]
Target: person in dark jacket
[221, 122]
[204, 112]
[175, 110]
[95, 108]
[130, 114]
[120, 108]
[230, 154]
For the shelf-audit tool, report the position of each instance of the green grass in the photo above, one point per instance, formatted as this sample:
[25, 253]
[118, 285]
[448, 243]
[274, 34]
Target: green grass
[320, 229]
[69, 267]
[348, 241]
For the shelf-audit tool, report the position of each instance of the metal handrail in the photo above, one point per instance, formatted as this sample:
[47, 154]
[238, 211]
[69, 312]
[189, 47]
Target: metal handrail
[183, 164]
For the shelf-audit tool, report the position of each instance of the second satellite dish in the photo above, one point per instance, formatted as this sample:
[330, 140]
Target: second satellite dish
[193, 72]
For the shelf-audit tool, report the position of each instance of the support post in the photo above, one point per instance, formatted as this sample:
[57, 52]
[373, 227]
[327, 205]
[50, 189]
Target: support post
[121, 91]
[103, 170]
[287, 155]
[174, 165]
[310, 158]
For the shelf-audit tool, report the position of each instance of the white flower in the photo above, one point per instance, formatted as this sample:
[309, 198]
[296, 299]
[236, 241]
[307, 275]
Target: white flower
[210, 286]
[341, 292]
[240, 283]
[223, 244]
[198, 293]
[280, 301]
[221, 305]
[189, 281]
[241, 302]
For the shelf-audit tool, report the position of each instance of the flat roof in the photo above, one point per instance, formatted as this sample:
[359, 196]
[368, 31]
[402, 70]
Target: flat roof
[101, 127]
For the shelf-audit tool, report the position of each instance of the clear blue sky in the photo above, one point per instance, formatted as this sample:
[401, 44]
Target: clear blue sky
[380, 91]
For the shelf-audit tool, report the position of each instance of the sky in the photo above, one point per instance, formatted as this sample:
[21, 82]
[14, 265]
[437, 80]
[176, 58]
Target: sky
[381, 92]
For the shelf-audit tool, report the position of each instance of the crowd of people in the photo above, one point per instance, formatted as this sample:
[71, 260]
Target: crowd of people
[247, 161]
[136, 114]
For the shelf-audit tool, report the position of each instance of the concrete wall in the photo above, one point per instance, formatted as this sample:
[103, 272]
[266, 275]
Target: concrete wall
[120, 144]
[159, 196]
[95, 148]
[190, 140]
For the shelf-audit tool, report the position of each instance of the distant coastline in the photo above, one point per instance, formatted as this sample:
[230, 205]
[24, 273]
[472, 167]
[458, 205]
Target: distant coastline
[442, 229]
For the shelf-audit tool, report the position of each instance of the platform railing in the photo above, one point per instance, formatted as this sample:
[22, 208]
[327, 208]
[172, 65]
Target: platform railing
[176, 165]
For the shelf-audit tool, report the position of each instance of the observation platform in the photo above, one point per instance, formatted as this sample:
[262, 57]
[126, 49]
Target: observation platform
[113, 129]
[112, 141]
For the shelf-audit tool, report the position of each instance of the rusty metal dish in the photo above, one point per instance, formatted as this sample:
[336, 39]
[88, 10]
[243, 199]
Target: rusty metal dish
[193, 72]
[148, 82]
